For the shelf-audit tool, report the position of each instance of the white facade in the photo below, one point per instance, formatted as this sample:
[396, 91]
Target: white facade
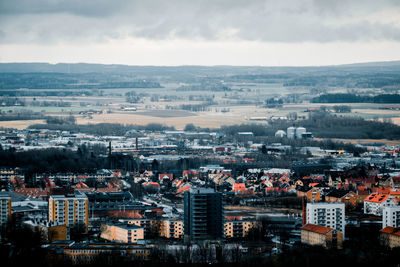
[295, 133]
[291, 132]
[280, 133]
[300, 131]
[391, 216]
[330, 215]
[376, 207]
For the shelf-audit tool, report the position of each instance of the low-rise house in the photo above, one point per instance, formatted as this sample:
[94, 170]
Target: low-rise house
[316, 235]
[86, 253]
[50, 231]
[122, 232]
[312, 194]
[350, 199]
[239, 228]
[390, 237]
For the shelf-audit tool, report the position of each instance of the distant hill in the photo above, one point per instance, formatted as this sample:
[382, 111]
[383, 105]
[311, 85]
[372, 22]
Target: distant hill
[100, 76]
[168, 70]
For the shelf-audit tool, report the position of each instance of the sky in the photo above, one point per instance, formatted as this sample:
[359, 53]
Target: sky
[200, 32]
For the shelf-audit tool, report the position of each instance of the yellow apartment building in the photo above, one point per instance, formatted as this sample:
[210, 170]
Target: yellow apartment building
[69, 209]
[122, 232]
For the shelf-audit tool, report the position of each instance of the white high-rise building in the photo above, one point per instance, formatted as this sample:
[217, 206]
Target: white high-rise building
[330, 215]
[391, 216]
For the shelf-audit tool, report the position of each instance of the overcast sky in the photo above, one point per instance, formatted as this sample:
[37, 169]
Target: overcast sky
[200, 32]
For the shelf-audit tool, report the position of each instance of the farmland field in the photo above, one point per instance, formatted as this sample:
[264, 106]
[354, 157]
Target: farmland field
[20, 124]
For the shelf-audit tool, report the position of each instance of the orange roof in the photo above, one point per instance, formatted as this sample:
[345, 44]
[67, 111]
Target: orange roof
[33, 192]
[165, 175]
[313, 184]
[395, 192]
[151, 184]
[183, 188]
[239, 188]
[391, 230]
[81, 185]
[316, 228]
[378, 198]
[384, 191]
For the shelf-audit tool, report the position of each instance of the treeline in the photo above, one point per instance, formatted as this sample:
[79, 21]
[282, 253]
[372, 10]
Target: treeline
[133, 97]
[22, 115]
[16, 93]
[324, 125]
[205, 86]
[353, 98]
[14, 101]
[196, 107]
[30, 115]
[71, 81]
[321, 124]
[61, 120]
[101, 129]
[52, 160]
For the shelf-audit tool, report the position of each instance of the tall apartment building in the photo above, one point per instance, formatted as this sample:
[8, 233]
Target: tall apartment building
[391, 216]
[5, 209]
[203, 219]
[70, 209]
[330, 215]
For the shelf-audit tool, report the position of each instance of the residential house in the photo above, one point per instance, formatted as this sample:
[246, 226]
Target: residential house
[390, 237]
[317, 235]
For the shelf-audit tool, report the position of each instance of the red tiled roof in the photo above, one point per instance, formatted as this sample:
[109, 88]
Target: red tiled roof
[165, 175]
[151, 184]
[378, 198]
[384, 191]
[391, 230]
[33, 192]
[183, 188]
[239, 188]
[316, 228]
[395, 193]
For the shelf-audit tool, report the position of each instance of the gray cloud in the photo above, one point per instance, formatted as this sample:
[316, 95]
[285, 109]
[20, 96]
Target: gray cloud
[48, 21]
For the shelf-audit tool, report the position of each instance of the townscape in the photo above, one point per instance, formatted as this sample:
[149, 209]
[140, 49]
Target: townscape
[195, 197]
[193, 133]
